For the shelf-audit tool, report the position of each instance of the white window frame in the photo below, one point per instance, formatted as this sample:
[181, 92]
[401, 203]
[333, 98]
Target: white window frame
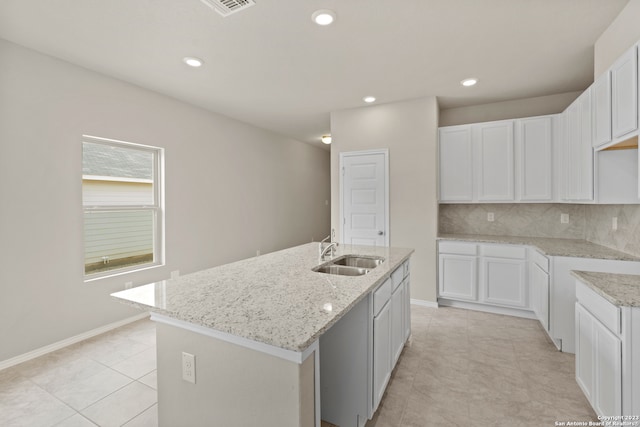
[158, 208]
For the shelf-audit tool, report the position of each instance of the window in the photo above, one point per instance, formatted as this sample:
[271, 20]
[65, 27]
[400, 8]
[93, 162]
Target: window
[123, 209]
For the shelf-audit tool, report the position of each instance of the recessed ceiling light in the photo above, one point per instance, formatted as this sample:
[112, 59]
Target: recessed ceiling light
[469, 82]
[193, 61]
[323, 17]
[369, 99]
[326, 139]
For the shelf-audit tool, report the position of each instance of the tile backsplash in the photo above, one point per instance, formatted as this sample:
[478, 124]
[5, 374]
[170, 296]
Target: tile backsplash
[589, 222]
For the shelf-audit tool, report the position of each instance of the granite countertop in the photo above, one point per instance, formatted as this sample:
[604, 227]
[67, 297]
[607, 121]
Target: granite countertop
[549, 246]
[622, 290]
[274, 299]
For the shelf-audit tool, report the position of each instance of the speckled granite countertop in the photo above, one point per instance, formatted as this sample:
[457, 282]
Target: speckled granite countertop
[549, 246]
[275, 298]
[622, 290]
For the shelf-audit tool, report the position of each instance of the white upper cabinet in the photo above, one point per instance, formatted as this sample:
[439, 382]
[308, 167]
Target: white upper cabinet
[624, 94]
[493, 144]
[577, 158]
[456, 171]
[477, 162]
[601, 109]
[535, 164]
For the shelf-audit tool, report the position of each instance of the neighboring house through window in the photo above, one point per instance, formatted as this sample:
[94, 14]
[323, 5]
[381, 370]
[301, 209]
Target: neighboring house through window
[123, 209]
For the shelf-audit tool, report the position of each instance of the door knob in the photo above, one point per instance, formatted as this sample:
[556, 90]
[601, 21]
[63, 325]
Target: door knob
[380, 233]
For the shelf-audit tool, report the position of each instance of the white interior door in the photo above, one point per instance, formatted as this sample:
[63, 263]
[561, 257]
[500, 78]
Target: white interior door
[365, 198]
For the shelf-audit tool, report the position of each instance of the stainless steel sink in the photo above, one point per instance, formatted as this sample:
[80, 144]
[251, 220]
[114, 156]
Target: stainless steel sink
[341, 270]
[350, 265]
[359, 261]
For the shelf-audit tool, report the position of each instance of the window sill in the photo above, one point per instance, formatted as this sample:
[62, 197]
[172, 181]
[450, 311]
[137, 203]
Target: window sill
[114, 273]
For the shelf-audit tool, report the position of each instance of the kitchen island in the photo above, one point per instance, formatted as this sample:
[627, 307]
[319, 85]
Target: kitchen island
[607, 318]
[255, 329]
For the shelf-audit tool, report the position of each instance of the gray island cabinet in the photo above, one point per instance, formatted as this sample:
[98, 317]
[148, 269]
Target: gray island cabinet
[275, 343]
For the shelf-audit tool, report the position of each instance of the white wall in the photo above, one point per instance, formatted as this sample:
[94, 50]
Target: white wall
[409, 130]
[623, 33]
[231, 189]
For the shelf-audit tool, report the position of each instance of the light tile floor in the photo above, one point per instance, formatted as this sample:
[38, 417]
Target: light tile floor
[463, 368]
[469, 368]
[108, 380]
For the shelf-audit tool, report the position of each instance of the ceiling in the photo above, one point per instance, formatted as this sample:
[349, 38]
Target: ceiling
[271, 66]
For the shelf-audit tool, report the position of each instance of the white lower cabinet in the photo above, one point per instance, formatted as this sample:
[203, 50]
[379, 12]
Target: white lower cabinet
[397, 322]
[599, 357]
[504, 281]
[381, 353]
[391, 328]
[500, 282]
[458, 277]
[539, 283]
[407, 307]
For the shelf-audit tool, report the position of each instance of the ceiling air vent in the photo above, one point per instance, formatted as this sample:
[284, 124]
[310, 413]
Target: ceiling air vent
[227, 7]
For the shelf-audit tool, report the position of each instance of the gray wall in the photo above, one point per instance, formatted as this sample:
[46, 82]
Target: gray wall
[409, 130]
[514, 109]
[231, 189]
[623, 33]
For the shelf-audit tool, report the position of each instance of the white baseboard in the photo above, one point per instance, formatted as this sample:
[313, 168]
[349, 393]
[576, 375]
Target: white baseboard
[424, 303]
[4, 364]
[516, 312]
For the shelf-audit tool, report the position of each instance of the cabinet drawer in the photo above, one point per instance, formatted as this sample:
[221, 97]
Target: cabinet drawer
[599, 307]
[397, 276]
[381, 296]
[504, 251]
[458, 248]
[540, 260]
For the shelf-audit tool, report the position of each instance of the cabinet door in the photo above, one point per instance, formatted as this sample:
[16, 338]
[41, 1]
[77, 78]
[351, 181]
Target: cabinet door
[535, 161]
[407, 308]
[494, 160]
[456, 172]
[607, 399]
[584, 350]
[397, 324]
[624, 94]
[601, 109]
[540, 295]
[457, 277]
[381, 354]
[504, 282]
[578, 156]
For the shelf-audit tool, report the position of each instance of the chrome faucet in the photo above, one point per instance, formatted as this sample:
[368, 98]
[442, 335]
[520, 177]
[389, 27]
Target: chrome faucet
[332, 245]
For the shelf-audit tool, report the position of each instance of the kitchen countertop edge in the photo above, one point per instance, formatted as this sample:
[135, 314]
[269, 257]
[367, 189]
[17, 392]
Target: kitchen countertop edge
[622, 290]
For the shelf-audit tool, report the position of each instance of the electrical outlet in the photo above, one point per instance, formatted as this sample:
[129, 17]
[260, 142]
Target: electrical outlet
[490, 217]
[175, 274]
[188, 367]
[614, 223]
[564, 218]
[258, 252]
[128, 285]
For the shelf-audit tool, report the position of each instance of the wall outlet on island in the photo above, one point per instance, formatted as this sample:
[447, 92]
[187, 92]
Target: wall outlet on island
[490, 217]
[258, 252]
[188, 367]
[614, 223]
[128, 285]
[564, 218]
